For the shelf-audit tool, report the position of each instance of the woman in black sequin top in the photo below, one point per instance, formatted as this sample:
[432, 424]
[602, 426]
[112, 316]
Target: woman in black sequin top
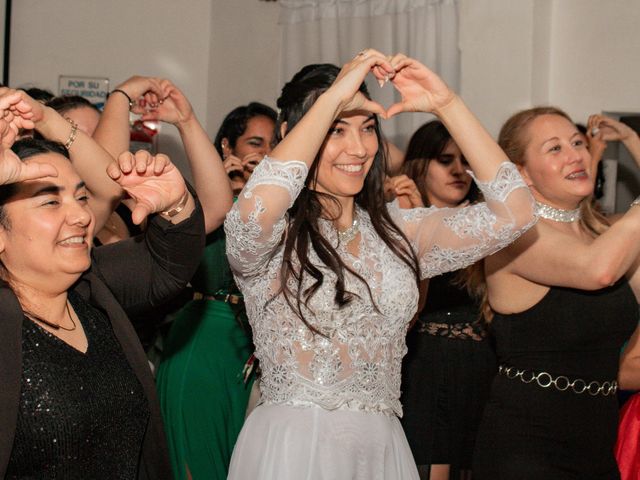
[77, 397]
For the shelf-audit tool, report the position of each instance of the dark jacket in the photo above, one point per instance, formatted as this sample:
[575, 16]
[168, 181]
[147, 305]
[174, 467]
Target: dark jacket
[125, 277]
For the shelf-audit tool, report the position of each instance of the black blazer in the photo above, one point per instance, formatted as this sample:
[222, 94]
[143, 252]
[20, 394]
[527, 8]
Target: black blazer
[125, 277]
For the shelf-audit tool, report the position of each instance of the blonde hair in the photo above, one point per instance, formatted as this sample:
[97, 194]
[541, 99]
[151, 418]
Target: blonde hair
[514, 139]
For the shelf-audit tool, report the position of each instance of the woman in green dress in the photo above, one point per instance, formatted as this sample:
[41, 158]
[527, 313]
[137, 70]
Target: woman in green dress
[201, 379]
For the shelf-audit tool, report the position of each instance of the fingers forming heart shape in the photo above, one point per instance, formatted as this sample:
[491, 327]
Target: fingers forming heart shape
[421, 90]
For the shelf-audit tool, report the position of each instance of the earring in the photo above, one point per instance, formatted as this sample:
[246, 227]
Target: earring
[226, 149]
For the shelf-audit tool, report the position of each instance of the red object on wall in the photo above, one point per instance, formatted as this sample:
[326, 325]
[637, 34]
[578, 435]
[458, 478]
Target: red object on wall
[143, 135]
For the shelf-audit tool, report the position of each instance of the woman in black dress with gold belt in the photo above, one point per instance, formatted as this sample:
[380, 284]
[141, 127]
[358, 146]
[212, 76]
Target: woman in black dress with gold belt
[563, 300]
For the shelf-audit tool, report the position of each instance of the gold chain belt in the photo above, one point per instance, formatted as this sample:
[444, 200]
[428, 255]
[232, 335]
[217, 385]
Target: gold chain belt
[560, 382]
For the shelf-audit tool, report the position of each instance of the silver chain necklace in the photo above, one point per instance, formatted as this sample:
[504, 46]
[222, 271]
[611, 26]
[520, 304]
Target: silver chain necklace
[557, 214]
[346, 236]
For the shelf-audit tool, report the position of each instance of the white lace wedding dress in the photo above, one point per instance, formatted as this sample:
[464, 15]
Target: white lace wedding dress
[329, 405]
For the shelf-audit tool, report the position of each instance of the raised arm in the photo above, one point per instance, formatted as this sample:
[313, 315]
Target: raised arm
[112, 132]
[88, 158]
[209, 175]
[449, 239]
[255, 224]
[15, 114]
[575, 264]
[602, 129]
[146, 273]
[423, 91]
[154, 183]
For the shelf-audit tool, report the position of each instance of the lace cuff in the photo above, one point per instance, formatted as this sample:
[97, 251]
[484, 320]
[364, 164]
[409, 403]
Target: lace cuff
[288, 175]
[506, 180]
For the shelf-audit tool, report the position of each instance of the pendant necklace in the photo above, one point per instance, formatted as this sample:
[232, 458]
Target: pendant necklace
[55, 326]
[557, 214]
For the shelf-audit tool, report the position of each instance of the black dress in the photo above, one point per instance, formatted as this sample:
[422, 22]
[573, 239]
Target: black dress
[531, 432]
[446, 378]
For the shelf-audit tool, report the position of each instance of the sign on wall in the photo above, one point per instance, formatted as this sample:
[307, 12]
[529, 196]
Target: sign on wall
[93, 89]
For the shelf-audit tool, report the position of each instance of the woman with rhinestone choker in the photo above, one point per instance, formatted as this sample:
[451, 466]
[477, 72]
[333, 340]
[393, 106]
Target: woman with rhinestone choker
[562, 301]
[329, 272]
[78, 398]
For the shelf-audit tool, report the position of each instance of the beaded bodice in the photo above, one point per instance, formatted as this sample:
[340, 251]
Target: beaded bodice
[356, 363]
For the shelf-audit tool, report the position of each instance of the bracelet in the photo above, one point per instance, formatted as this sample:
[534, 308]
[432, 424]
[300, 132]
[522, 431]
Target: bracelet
[72, 135]
[179, 207]
[635, 202]
[125, 94]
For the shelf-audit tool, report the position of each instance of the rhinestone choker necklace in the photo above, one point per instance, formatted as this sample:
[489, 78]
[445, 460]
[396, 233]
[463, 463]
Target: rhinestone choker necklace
[557, 214]
[345, 236]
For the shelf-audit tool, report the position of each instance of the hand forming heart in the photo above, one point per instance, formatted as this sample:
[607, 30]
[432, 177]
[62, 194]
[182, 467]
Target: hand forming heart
[420, 88]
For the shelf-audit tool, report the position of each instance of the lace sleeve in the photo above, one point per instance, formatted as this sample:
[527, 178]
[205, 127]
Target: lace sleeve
[448, 239]
[255, 224]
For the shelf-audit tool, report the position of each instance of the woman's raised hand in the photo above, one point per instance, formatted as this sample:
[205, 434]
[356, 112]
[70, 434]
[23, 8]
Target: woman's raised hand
[421, 89]
[607, 129]
[233, 164]
[15, 113]
[251, 161]
[140, 89]
[172, 106]
[152, 181]
[19, 110]
[13, 170]
[346, 85]
[405, 190]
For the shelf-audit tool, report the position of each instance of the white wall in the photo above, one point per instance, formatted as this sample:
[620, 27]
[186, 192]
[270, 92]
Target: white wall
[496, 45]
[581, 55]
[578, 54]
[595, 61]
[221, 53]
[114, 39]
[245, 46]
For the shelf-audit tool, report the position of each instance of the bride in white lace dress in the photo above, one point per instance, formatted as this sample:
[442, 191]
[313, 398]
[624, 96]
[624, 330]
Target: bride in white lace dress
[329, 272]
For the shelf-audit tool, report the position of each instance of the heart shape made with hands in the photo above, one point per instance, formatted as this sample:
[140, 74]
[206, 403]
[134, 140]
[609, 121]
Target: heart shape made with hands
[421, 90]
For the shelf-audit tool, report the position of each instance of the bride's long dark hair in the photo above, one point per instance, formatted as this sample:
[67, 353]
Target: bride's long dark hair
[303, 232]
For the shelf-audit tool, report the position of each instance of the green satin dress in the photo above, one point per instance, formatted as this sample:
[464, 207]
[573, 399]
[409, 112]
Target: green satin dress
[200, 383]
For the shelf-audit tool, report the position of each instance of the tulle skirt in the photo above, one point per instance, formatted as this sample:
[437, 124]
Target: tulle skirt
[281, 442]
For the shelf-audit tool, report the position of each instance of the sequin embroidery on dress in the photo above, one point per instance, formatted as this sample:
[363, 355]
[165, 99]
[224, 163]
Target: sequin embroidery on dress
[356, 364]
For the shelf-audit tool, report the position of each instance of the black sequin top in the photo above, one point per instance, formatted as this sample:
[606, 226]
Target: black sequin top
[81, 415]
